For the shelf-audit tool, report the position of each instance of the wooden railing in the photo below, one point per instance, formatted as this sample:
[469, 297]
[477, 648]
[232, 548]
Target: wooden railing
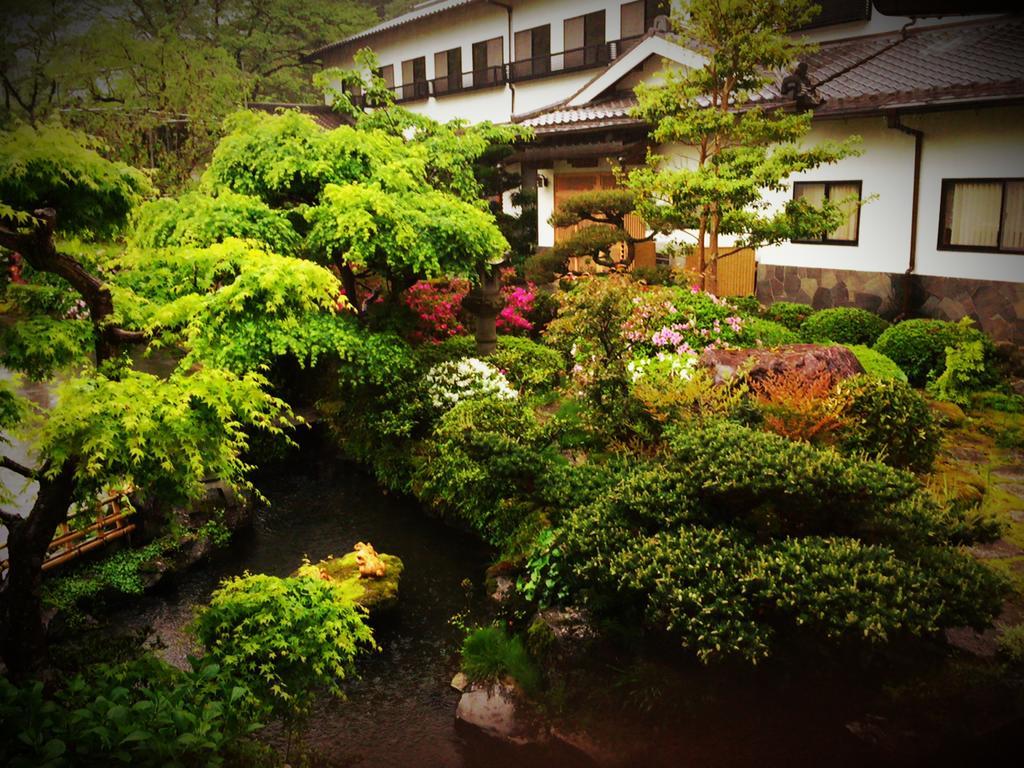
[69, 543]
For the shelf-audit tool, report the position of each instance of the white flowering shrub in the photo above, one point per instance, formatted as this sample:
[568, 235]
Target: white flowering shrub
[453, 381]
[675, 365]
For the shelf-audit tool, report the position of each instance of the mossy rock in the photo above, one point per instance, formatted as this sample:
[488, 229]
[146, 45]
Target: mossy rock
[375, 595]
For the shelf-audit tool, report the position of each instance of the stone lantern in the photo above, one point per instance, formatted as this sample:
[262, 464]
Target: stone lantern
[484, 301]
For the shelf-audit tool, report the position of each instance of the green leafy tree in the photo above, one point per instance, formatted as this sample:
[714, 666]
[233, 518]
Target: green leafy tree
[379, 210]
[156, 79]
[738, 150]
[110, 425]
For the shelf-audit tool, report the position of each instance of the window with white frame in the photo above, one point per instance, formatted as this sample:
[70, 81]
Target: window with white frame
[847, 195]
[982, 215]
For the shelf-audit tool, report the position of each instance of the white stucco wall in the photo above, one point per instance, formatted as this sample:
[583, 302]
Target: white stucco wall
[463, 27]
[985, 143]
[886, 170]
[545, 207]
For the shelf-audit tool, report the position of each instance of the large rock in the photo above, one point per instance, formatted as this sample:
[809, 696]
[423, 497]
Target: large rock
[500, 710]
[812, 360]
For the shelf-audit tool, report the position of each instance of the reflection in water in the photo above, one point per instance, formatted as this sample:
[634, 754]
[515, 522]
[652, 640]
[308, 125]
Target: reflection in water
[401, 710]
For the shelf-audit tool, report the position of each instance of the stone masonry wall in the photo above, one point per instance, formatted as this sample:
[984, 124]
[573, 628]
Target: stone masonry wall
[997, 307]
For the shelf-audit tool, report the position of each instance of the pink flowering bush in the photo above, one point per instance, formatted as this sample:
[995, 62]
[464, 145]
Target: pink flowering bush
[437, 309]
[438, 314]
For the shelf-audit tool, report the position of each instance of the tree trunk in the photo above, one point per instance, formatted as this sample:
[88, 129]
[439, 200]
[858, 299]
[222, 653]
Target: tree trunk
[348, 283]
[23, 634]
[711, 281]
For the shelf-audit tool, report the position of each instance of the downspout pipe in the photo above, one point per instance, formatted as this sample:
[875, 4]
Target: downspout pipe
[894, 122]
[509, 79]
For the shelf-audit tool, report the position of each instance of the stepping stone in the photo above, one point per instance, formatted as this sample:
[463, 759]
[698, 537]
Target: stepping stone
[1017, 489]
[965, 453]
[997, 550]
[1017, 515]
[1014, 472]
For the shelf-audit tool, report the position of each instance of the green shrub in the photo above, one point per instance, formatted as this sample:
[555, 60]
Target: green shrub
[876, 364]
[998, 401]
[768, 333]
[528, 365]
[1011, 644]
[144, 713]
[918, 346]
[843, 325]
[746, 305]
[739, 537]
[489, 654]
[543, 266]
[480, 466]
[788, 313]
[284, 637]
[887, 420]
[964, 373]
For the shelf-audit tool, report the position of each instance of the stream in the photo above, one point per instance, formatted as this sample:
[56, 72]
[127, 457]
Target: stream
[400, 711]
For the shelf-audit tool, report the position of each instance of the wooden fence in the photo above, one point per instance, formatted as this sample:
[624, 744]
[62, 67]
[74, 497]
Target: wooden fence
[737, 272]
[110, 523]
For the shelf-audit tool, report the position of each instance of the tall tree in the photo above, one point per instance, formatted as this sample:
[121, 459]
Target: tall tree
[155, 78]
[736, 149]
[111, 424]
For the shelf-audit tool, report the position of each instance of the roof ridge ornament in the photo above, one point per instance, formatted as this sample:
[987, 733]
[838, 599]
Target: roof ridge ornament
[799, 87]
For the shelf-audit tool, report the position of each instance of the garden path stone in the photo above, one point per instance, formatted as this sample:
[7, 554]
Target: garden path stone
[1017, 515]
[1016, 489]
[1014, 472]
[966, 453]
[996, 550]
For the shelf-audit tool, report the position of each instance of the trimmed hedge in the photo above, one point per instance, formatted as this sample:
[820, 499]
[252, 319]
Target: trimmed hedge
[843, 325]
[876, 364]
[887, 420]
[789, 313]
[918, 346]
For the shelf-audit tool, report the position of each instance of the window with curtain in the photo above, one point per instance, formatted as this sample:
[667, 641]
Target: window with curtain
[488, 61]
[448, 70]
[533, 51]
[583, 40]
[844, 193]
[414, 78]
[982, 215]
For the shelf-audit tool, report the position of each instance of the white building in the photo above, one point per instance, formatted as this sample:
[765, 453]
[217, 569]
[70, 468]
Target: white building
[939, 106]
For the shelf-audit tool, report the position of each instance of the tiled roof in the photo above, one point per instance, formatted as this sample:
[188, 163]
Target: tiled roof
[961, 63]
[972, 61]
[598, 114]
[419, 12]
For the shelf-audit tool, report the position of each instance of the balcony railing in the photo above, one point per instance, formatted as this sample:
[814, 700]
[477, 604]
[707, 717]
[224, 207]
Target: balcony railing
[571, 60]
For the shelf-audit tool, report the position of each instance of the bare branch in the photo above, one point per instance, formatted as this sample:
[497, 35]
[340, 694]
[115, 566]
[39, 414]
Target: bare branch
[17, 467]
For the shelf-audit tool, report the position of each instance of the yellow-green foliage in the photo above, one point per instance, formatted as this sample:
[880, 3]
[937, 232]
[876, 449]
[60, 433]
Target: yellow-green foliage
[284, 637]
